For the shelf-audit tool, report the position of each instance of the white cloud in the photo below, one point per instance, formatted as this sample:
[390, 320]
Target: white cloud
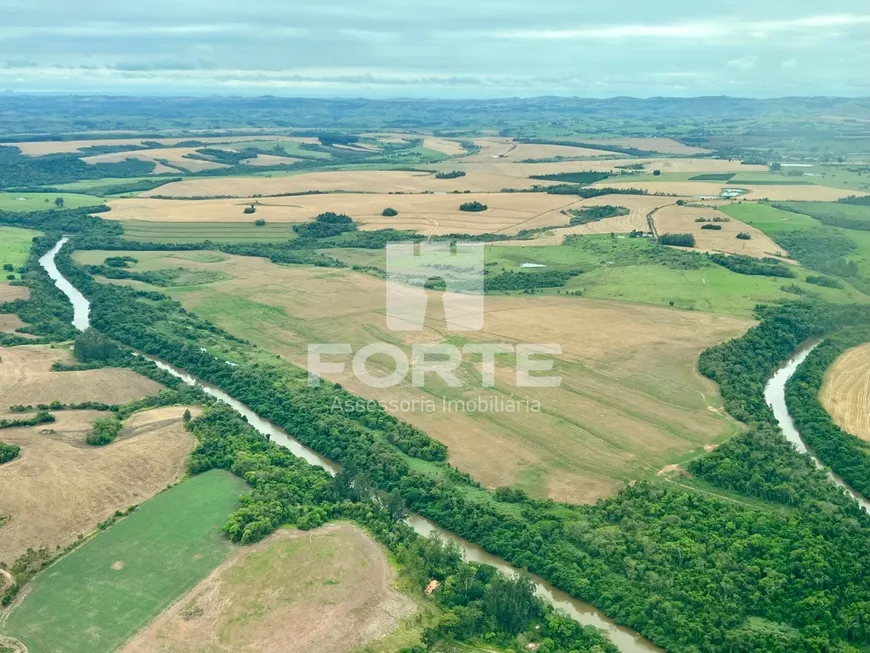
[692, 30]
[743, 63]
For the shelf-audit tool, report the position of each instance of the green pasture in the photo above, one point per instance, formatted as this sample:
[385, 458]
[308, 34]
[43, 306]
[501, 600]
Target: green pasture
[97, 597]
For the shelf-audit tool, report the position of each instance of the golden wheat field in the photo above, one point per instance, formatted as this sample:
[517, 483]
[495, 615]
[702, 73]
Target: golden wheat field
[682, 219]
[846, 391]
[435, 214]
[351, 181]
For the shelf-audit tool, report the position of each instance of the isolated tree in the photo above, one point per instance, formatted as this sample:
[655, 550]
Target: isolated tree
[389, 212]
[187, 416]
[656, 173]
[259, 222]
[58, 202]
[776, 166]
[8, 267]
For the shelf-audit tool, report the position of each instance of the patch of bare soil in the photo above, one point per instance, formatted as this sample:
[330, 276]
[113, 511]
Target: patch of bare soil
[328, 590]
[59, 487]
[10, 293]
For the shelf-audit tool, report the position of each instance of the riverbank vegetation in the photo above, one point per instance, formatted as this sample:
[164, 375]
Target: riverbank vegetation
[845, 453]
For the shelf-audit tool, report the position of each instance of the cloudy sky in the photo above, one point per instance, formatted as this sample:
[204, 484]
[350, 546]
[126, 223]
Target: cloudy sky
[442, 48]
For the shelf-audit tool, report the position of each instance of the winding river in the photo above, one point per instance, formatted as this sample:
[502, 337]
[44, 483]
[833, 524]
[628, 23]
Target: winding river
[625, 639]
[774, 395]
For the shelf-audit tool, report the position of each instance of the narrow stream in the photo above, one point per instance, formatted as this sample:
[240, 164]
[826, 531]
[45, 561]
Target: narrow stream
[625, 639]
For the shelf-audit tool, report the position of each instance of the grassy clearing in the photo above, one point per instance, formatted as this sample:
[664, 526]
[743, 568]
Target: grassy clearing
[14, 249]
[327, 590]
[196, 232]
[19, 202]
[849, 177]
[96, 186]
[632, 269]
[773, 222]
[636, 270]
[849, 216]
[97, 597]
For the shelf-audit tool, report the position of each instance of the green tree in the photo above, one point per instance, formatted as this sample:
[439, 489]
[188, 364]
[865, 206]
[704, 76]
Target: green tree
[58, 202]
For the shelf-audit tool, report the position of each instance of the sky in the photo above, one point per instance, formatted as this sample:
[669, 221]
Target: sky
[448, 48]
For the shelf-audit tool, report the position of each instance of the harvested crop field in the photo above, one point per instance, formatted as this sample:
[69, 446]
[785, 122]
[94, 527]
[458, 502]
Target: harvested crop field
[59, 487]
[354, 181]
[26, 378]
[846, 392]
[806, 192]
[269, 160]
[445, 146]
[437, 214]
[631, 400]
[681, 219]
[638, 205]
[327, 590]
[11, 323]
[11, 293]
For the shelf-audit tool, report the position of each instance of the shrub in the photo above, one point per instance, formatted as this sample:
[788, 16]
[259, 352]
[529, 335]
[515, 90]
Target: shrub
[680, 240]
[473, 206]
[250, 209]
[259, 222]
[656, 173]
[389, 212]
[105, 430]
[715, 227]
[453, 174]
[825, 282]
[744, 236]
[8, 452]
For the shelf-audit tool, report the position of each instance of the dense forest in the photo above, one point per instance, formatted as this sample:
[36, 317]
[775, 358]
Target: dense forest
[768, 267]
